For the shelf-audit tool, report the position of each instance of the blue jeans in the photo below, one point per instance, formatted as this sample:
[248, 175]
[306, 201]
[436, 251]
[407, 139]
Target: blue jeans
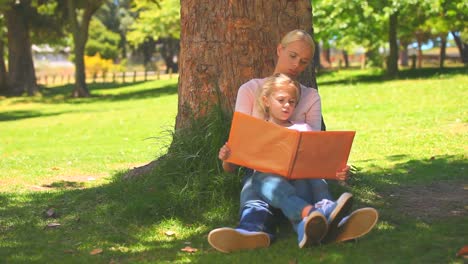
[257, 215]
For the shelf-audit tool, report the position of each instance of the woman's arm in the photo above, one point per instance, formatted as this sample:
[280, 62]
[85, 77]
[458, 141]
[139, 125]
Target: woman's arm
[224, 153]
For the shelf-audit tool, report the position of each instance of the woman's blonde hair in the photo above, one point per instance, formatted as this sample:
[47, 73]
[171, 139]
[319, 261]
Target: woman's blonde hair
[295, 35]
[271, 84]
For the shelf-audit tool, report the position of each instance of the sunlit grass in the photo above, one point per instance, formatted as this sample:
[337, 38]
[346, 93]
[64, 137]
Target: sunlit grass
[85, 137]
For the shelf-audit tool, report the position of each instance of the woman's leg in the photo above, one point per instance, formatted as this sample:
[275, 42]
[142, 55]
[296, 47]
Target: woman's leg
[255, 214]
[256, 227]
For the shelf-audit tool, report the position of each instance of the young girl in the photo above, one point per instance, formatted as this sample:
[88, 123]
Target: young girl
[277, 100]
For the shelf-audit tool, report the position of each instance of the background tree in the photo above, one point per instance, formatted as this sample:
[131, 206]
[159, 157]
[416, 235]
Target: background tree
[118, 18]
[102, 41]
[79, 14]
[3, 70]
[21, 74]
[157, 22]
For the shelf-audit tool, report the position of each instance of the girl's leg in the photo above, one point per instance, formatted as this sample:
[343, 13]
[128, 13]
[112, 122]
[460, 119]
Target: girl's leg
[278, 192]
[311, 190]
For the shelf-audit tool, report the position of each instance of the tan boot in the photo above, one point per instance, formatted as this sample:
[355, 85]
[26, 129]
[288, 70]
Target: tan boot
[356, 225]
[229, 239]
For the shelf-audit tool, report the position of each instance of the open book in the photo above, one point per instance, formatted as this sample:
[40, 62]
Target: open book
[267, 147]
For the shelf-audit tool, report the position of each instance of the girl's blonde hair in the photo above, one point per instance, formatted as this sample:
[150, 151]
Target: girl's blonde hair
[298, 34]
[271, 84]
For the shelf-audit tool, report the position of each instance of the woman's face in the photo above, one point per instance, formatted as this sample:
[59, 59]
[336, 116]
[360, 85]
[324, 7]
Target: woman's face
[294, 58]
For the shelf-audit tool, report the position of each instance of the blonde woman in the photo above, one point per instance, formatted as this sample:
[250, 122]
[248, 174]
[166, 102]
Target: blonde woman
[258, 219]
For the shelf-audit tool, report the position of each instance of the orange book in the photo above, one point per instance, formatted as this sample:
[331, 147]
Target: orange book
[267, 147]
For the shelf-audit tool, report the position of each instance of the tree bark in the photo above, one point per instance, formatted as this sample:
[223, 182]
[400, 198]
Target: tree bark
[443, 50]
[225, 43]
[3, 71]
[22, 76]
[392, 60]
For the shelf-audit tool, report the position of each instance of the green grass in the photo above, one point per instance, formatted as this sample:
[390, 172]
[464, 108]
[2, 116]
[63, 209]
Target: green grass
[410, 132]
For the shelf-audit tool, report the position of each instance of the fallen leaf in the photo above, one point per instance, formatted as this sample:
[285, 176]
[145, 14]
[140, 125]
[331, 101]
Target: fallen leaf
[463, 252]
[55, 168]
[96, 251]
[52, 225]
[189, 249]
[169, 233]
[432, 158]
[50, 213]
[68, 251]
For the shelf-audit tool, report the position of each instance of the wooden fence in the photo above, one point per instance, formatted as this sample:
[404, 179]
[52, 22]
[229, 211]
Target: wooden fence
[116, 77]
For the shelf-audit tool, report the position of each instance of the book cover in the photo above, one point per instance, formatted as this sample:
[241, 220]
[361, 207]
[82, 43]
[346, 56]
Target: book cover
[267, 147]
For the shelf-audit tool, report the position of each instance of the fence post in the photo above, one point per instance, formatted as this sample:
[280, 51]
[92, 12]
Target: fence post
[146, 74]
[134, 76]
[123, 77]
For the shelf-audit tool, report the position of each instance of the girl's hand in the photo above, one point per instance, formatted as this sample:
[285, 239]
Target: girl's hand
[224, 152]
[343, 174]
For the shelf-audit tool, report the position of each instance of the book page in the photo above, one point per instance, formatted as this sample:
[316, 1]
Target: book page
[261, 145]
[321, 154]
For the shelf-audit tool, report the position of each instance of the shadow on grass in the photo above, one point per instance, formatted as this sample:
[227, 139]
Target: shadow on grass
[407, 74]
[62, 94]
[24, 114]
[120, 217]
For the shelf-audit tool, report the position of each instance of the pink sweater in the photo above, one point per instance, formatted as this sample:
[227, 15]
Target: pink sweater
[309, 109]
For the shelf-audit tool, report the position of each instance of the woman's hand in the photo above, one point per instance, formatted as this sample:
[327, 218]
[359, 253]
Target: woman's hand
[343, 174]
[224, 152]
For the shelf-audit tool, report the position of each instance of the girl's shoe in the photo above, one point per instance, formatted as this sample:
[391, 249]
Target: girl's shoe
[312, 229]
[335, 211]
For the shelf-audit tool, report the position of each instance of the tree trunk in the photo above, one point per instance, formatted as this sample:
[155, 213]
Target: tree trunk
[148, 48]
[404, 54]
[443, 48]
[22, 77]
[3, 72]
[392, 60]
[226, 43]
[170, 49]
[462, 47]
[79, 24]
[345, 58]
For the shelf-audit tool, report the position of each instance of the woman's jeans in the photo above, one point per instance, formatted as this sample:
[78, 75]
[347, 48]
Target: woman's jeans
[257, 215]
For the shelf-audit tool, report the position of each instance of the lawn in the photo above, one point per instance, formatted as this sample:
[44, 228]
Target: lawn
[63, 200]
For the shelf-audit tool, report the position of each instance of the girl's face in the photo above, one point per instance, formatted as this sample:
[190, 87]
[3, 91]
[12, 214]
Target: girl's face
[281, 104]
[293, 59]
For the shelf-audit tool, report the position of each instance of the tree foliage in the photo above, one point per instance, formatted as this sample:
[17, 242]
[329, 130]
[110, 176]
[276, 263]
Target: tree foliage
[102, 41]
[156, 20]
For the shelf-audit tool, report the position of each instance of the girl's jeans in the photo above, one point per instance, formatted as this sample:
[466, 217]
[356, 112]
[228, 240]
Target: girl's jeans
[256, 214]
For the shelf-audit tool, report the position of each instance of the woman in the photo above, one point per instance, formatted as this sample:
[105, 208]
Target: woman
[257, 220]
